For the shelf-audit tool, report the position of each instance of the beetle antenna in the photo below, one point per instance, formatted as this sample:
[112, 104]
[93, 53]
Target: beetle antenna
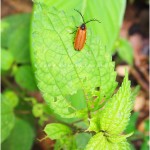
[92, 20]
[80, 14]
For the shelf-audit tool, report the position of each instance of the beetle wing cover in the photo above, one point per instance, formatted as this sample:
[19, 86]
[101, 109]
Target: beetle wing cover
[80, 39]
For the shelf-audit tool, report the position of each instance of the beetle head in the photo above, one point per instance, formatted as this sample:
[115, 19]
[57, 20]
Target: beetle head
[83, 27]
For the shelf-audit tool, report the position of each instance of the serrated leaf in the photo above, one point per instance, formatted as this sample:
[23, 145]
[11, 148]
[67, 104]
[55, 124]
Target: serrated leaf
[115, 115]
[18, 41]
[56, 130]
[7, 118]
[100, 142]
[125, 51]
[62, 71]
[118, 138]
[24, 77]
[111, 21]
[21, 137]
[7, 59]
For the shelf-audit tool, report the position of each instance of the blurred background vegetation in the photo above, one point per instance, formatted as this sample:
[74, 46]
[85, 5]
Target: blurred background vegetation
[24, 112]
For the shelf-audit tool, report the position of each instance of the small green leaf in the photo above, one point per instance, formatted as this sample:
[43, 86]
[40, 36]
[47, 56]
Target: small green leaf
[132, 123]
[21, 137]
[24, 77]
[101, 142]
[56, 130]
[7, 59]
[11, 98]
[15, 36]
[115, 116]
[125, 51]
[7, 118]
[37, 110]
[135, 92]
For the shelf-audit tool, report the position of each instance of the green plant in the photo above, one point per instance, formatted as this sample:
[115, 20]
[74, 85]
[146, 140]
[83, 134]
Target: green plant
[18, 129]
[138, 135]
[79, 86]
[124, 50]
[87, 105]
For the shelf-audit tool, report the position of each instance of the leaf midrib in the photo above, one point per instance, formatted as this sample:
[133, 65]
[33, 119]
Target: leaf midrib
[70, 61]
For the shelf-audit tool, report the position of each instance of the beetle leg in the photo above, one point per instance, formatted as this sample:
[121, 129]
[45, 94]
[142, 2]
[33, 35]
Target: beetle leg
[73, 32]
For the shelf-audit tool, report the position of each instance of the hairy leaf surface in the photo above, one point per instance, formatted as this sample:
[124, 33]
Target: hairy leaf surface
[101, 142]
[115, 116]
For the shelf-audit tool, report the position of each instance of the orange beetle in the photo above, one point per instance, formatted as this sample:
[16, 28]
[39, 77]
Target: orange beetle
[80, 37]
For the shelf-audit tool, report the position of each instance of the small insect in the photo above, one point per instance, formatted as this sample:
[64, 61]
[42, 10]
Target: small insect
[80, 37]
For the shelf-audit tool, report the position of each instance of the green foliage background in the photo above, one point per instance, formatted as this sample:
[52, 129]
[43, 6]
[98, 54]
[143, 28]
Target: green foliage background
[68, 79]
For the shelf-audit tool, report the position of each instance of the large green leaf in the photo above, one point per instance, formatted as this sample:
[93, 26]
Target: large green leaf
[15, 36]
[109, 12]
[7, 118]
[21, 137]
[61, 70]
